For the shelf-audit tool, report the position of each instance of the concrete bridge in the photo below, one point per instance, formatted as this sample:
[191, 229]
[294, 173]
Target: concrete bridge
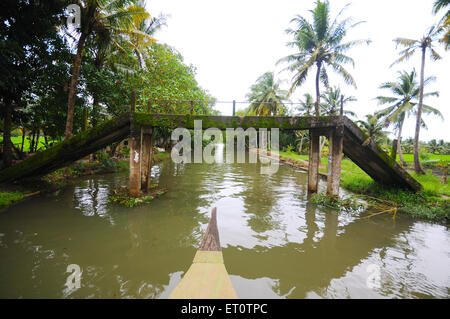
[344, 138]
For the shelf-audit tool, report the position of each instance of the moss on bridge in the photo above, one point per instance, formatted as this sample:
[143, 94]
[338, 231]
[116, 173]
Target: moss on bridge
[370, 157]
[224, 122]
[69, 150]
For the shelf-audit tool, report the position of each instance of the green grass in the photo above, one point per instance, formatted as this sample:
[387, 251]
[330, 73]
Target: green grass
[6, 199]
[409, 158]
[432, 184]
[161, 156]
[17, 141]
[429, 203]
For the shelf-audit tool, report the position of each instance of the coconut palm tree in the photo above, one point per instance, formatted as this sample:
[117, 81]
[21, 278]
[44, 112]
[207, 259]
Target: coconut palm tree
[410, 47]
[434, 147]
[305, 109]
[406, 93]
[99, 17]
[332, 102]
[306, 105]
[320, 43]
[266, 97]
[374, 129]
[145, 38]
[408, 145]
[438, 6]
[301, 138]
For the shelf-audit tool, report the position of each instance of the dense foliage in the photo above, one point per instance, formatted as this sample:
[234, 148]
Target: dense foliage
[118, 55]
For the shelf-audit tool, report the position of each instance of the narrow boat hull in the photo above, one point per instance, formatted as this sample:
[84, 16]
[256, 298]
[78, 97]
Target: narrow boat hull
[207, 278]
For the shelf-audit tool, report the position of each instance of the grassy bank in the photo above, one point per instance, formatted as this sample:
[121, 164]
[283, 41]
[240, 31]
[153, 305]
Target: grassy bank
[9, 198]
[17, 141]
[409, 158]
[433, 203]
[103, 164]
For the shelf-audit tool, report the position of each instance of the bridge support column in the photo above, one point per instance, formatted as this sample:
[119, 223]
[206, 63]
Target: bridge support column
[336, 147]
[135, 166]
[146, 154]
[135, 153]
[314, 160]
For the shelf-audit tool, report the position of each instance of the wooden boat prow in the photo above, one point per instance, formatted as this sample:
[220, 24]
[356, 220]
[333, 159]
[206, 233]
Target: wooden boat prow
[207, 278]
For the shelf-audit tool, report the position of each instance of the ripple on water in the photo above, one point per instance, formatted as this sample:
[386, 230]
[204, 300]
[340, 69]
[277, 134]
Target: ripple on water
[275, 243]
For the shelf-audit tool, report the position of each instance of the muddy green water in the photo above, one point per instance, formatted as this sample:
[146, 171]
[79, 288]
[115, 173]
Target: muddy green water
[275, 244]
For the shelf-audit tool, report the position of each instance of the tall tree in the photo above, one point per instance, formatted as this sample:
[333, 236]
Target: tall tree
[306, 105]
[305, 108]
[374, 129]
[99, 17]
[26, 30]
[445, 23]
[332, 102]
[406, 93]
[410, 47]
[266, 96]
[320, 43]
[144, 39]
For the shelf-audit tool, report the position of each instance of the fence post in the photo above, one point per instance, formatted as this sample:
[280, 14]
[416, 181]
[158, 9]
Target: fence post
[234, 107]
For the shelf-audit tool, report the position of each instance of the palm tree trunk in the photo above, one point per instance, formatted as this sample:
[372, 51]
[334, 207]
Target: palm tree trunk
[323, 139]
[417, 166]
[399, 144]
[73, 86]
[95, 110]
[84, 120]
[319, 65]
[94, 120]
[31, 147]
[23, 138]
[7, 149]
[37, 139]
[141, 61]
[301, 143]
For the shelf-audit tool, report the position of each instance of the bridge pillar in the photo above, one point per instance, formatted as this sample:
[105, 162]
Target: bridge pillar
[336, 147]
[146, 157]
[135, 166]
[135, 153]
[314, 160]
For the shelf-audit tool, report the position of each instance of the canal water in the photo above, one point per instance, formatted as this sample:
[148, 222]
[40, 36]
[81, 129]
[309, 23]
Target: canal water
[275, 243]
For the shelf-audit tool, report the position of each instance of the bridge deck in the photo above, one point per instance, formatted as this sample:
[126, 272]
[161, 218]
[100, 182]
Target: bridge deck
[224, 122]
[375, 162]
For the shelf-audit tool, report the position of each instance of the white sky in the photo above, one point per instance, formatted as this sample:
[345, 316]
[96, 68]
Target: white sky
[232, 43]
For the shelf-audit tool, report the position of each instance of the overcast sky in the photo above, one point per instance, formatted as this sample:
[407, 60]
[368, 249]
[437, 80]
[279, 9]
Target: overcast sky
[232, 43]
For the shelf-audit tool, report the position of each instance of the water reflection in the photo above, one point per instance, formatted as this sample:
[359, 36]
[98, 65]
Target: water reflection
[276, 243]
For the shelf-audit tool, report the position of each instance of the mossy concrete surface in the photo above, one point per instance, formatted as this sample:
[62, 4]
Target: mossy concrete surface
[69, 150]
[374, 161]
[224, 122]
